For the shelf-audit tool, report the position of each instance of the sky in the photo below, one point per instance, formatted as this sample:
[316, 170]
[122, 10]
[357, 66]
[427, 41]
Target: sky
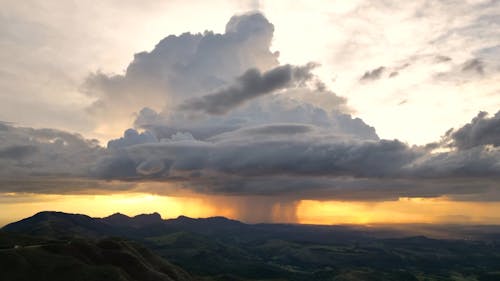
[285, 111]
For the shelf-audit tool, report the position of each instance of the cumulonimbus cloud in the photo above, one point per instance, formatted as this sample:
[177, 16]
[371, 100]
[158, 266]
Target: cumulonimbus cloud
[184, 66]
[280, 143]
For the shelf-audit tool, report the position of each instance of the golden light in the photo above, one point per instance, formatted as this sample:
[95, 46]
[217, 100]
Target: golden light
[404, 210]
[18, 206]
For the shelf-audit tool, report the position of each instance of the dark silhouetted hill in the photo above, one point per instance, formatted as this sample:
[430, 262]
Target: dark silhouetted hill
[223, 249]
[24, 258]
[137, 221]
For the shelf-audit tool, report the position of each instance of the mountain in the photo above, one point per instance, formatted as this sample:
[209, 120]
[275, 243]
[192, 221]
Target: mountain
[112, 259]
[142, 220]
[222, 249]
[58, 224]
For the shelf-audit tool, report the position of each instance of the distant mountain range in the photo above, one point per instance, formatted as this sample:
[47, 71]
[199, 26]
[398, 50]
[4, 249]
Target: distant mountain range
[59, 224]
[53, 224]
[52, 245]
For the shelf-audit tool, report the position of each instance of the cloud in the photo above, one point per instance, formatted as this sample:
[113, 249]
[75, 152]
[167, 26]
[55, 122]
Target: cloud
[307, 161]
[267, 110]
[478, 162]
[473, 65]
[442, 59]
[250, 85]
[480, 131]
[377, 73]
[187, 82]
[27, 152]
[289, 161]
[216, 74]
[150, 167]
[185, 66]
[451, 33]
[373, 74]
[131, 137]
[18, 151]
[296, 140]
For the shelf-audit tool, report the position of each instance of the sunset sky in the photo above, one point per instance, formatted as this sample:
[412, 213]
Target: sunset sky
[323, 112]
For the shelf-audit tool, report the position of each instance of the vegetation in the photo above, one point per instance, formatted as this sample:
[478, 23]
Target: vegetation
[112, 259]
[222, 249]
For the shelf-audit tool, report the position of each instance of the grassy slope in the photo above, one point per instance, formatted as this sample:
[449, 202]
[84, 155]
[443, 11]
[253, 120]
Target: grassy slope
[82, 260]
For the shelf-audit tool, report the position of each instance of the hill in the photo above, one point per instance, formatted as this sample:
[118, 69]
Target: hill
[31, 258]
[223, 249]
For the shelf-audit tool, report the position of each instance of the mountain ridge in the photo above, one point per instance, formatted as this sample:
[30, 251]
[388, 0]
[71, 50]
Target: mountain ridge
[56, 223]
[218, 248]
[59, 224]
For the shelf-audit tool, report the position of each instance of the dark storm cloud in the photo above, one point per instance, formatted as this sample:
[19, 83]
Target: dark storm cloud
[480, 131]
[302, 164]
[373, 74]
[300, 150]
[478, 162]
[309, 161]
[131, 137]
[290, 160]
[311, 156]
[17, 151]
[44, 151]
[347, 188]
[250, 85]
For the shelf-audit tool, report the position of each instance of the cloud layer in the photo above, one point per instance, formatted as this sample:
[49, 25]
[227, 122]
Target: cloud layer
[218, 114]
[28, 153]
[290, 160]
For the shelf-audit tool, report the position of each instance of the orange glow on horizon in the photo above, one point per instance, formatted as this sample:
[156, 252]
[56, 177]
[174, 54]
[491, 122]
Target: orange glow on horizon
[130, 204]
[405, 210]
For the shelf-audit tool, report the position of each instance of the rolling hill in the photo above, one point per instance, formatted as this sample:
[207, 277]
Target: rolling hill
[222, 249]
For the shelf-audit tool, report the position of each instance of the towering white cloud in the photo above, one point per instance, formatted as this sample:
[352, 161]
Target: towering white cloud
[185, 66]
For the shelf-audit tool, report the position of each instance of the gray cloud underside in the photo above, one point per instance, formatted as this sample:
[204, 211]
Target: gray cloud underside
[287, 159]
[27, 152]
[267, 110]
[480, 131]
[291, 149]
